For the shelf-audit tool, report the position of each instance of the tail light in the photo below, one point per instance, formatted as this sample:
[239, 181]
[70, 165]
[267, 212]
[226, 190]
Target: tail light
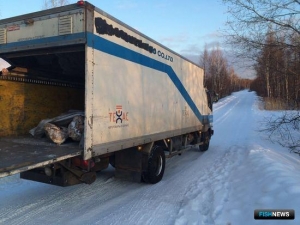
[80, 3]
[83, 164]
[87, 164]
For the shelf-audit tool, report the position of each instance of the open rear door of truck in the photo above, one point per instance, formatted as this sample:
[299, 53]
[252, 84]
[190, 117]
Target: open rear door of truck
[47, 49]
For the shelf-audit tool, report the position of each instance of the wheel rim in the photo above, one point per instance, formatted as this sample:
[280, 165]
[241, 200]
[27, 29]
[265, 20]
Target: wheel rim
[159, 165]
[206, 140]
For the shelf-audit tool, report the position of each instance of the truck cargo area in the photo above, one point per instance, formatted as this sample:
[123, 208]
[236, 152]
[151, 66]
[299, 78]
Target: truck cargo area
[44, 84]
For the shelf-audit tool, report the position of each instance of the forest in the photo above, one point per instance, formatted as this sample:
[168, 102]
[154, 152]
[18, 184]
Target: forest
[267, 33]
[219, 76]
[277, 70]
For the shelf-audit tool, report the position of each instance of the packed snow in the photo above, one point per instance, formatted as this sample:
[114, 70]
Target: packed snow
[242, 171]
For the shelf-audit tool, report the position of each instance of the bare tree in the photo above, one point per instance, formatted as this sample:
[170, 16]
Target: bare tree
[219, 77]
[48, 4]
[285, 130]
[250, 20]
[268, 33]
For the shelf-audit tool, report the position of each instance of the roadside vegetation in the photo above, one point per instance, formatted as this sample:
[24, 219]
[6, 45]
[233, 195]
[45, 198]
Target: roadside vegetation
[267, 33]
[219, 75]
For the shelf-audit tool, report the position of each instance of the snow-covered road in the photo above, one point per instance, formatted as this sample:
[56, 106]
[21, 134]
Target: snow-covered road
[242, 171]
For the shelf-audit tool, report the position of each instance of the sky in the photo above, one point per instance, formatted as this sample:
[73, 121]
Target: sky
[186, 27]
[183, 26]
[241, 171]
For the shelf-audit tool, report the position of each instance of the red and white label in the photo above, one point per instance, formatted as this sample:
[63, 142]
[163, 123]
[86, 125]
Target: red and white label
[13, 28]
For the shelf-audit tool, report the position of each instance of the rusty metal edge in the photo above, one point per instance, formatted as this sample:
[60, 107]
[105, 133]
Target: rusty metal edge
[41, 164]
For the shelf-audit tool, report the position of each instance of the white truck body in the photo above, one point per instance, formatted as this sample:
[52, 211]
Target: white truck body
[136, 91]
[159, 96]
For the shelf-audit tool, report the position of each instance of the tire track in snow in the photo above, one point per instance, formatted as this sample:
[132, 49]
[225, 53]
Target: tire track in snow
[227, 113]
[162, 201]
[219, 105]
[207, 196]
[33, 210]
[10, 215]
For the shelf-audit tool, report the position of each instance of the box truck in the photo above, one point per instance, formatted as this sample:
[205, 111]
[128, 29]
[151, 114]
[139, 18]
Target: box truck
[140, 101]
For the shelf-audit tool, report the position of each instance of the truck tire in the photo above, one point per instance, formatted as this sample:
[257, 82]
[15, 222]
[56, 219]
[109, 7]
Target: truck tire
[156, 166]
[205, 139]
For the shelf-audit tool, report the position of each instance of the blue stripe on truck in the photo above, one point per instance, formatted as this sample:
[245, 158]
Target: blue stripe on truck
[114, 49]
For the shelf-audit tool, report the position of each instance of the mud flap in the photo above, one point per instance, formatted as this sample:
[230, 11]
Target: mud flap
[88, 178]
[128, 164]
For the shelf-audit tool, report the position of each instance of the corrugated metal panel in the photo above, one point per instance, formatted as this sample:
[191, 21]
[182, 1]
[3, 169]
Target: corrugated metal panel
[65, 25]
[2, 36]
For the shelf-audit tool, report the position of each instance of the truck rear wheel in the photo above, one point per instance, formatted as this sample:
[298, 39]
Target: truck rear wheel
[205, 138]
[156, 166]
